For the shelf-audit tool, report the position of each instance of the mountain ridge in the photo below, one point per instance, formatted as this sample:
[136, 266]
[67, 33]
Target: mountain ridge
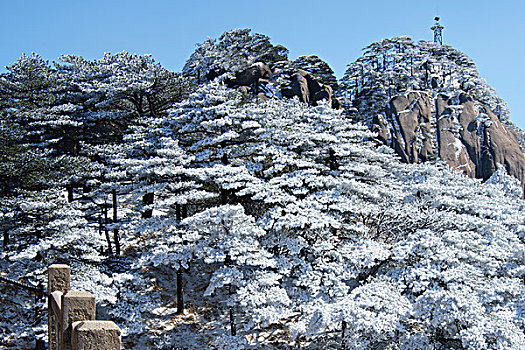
[270, 222]
[372, 89]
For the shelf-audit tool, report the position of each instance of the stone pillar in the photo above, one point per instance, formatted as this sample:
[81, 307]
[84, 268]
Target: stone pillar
[54, 319]
[96, 335]
[76, 306]
[58, 280]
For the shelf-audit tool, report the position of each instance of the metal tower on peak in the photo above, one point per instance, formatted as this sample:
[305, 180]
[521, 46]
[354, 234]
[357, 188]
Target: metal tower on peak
[438, 32]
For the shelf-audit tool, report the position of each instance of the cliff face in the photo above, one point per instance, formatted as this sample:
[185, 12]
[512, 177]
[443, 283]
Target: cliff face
[427, 101]
[465, 134]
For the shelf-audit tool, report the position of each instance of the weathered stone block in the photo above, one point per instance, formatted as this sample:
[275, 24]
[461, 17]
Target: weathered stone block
[54, 319]
[96, 335]
[58, 278]
[76, 306]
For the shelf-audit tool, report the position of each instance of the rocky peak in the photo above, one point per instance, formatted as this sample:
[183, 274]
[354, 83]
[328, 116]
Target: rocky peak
[428, 101]
[255, 66]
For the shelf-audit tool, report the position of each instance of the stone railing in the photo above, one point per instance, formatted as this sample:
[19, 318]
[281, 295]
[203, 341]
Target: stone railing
[71, 317]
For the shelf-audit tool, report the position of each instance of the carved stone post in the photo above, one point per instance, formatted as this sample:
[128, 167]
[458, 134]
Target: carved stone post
[76, 306]
[58, 280]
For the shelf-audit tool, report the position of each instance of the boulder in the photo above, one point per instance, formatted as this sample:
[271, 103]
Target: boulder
[336, 104]
[252, 74]
[380, 126]
[212, 74]
[299, 86]
[307, 88]
[287, 92]
[490, 142]
[262, 96]
[451, 148]
[246, 90]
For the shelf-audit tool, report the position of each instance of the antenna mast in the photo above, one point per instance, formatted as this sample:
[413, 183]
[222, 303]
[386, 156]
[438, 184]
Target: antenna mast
[438, 32]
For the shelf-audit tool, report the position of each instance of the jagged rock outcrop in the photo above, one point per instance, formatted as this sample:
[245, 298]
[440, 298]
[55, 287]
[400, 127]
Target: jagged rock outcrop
[465, 134]
[285, 78]
[256, 67]
[427, 101]
[307, 89]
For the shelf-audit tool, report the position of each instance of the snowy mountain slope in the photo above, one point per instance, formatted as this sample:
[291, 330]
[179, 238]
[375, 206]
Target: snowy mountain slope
[296, 224]
[286, 225]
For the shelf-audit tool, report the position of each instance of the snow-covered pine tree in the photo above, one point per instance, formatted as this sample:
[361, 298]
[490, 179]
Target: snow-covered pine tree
[232, 52]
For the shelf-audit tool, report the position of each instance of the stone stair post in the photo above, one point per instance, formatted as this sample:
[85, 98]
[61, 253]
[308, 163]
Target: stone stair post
[58, 283]
[76, 306]
[71, 317]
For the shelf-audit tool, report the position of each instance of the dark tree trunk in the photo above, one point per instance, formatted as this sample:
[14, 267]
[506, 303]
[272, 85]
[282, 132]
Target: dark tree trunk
[343, 335]
[224, 196]
[181, 212]
[180, 292]
[6, 238]
[184, 211]
[233, 330]
[106, 221]
[178, 213]
[115, 218]
[151, 104]
[180, 287]
[69, 193]
[224, 157]
[148, 199]
[332, 160]
[40, 344]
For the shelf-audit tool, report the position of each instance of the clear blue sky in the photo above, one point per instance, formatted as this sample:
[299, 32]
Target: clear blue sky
[491, 32]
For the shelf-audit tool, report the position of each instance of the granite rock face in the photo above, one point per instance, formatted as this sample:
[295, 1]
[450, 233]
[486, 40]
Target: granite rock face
[309, 90]
[297, 82]
[252, 74]
[466, 134]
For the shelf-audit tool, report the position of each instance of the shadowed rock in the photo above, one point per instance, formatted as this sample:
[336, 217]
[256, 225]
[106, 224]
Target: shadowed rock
[252, 74]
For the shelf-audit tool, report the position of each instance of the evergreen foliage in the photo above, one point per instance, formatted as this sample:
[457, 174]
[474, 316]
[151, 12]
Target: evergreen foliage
[244, 224]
